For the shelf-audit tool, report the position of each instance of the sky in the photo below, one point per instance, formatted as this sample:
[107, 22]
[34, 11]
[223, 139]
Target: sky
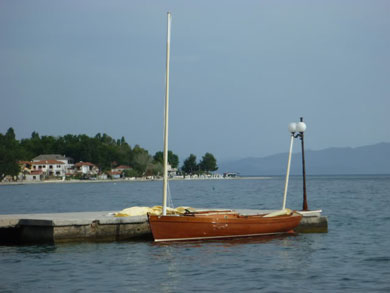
[241, 71]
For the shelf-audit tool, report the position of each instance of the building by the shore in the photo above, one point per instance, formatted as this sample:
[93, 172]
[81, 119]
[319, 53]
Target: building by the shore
[55, 166]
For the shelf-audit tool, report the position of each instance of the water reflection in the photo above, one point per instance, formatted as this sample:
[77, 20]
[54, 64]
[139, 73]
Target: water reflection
[28, 249]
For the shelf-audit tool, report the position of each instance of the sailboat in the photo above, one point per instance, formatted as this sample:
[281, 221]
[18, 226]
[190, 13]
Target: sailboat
[214, 224]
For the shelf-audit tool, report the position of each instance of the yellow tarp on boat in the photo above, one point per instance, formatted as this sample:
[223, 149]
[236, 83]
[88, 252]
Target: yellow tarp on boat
[279, 213]
[156, 210]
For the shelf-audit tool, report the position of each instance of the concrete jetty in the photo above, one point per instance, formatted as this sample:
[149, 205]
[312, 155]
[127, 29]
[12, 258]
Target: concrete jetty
[102, 226]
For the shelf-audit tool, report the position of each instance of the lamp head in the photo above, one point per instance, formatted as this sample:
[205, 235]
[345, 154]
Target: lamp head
[301, 127]
[292, 127]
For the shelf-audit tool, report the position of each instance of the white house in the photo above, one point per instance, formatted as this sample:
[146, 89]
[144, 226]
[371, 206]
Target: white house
[34, 176]
[86, 168]
[67, 161]
[115, 174]
[49, 167]
[121, 168]
[118, 171]
[172, 172]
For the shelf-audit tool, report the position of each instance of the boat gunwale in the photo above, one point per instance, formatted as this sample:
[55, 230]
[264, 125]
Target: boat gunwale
[250, 219]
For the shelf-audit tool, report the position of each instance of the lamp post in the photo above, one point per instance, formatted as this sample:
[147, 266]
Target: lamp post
[297, 130]
[301, 127]
[292, 129]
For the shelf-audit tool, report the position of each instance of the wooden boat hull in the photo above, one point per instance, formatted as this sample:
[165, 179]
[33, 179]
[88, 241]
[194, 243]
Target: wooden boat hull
[213, 226]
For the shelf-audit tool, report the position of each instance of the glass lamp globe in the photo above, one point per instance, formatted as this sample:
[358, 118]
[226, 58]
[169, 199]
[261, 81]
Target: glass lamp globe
[292, 127]
[301, 127]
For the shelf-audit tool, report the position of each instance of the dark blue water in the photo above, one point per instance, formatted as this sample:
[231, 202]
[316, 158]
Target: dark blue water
[353, 257]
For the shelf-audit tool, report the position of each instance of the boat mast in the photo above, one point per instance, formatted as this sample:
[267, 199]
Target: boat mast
[165, 184]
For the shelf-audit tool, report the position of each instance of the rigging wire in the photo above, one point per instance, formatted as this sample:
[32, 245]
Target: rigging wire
[170, 201]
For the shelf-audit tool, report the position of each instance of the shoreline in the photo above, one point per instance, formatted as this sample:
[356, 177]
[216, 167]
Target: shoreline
[127, 180]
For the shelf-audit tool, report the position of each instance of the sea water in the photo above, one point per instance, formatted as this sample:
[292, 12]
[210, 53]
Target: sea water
[354, 256]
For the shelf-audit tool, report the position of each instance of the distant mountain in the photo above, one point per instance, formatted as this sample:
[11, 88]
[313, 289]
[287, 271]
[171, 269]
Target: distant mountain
[372, 159]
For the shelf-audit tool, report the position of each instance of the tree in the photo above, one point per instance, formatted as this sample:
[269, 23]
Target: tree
[154, 168]
[130, 173]
[101, 150]
[208, 163]
[173, 159]
[141, 160]
[31, 147]
[190, 166]
[159, 157]
[9, 154]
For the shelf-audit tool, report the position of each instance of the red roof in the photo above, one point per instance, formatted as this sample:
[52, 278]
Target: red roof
[79, 164]
[48, 162]
[115, 173]
[122, 167]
